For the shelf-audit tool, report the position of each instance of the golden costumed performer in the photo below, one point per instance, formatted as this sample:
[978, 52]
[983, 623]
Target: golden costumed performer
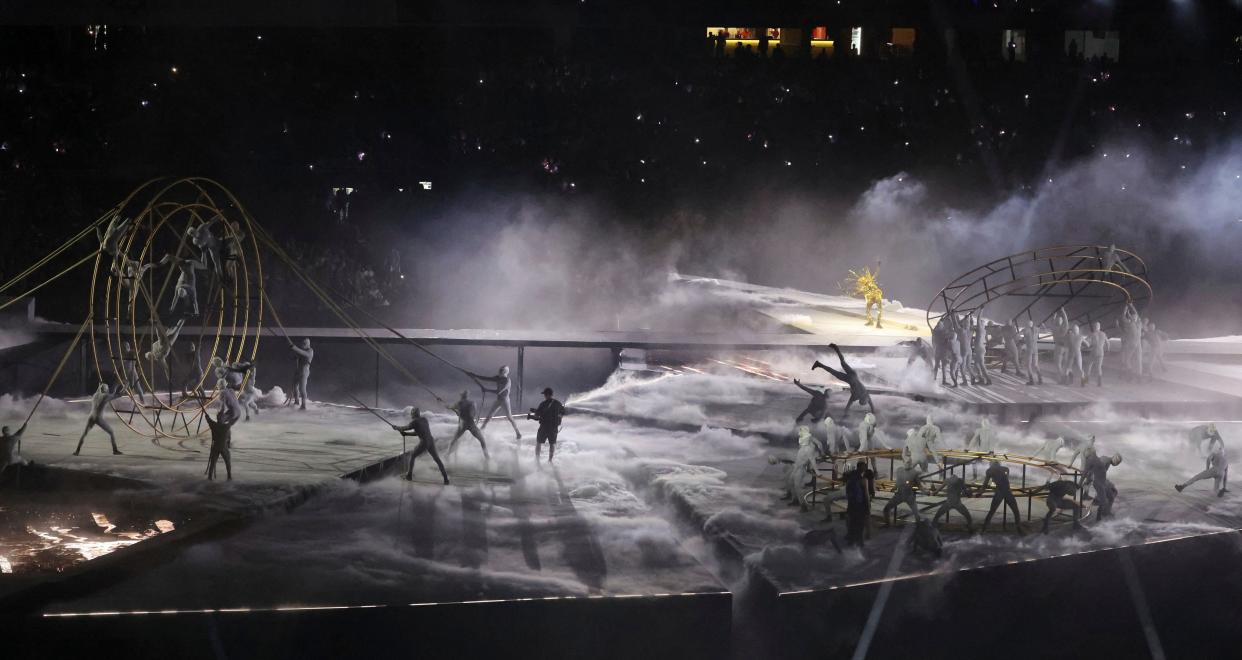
[865, 284]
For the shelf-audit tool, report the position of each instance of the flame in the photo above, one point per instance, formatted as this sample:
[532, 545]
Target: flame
[94, 549]
[102, 521]
[83, 543]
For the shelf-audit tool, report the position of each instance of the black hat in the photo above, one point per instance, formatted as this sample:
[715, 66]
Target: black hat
[547, 390]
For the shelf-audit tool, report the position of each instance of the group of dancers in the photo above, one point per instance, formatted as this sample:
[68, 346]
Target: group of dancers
[924, 469]
[234, 383]
[220, 256]
[960, 344]
[549, 415]
[922, 462]
[237, 397]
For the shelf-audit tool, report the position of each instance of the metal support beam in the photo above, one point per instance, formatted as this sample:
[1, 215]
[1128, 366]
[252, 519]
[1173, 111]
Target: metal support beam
[1046, 288]
[521, 377]
[82, 386]
[1054, 295]
[1080, 271]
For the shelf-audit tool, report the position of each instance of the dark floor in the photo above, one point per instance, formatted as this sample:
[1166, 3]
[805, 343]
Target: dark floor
[1169, 600]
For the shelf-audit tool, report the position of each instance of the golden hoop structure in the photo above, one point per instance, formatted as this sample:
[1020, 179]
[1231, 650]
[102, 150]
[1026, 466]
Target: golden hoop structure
[160, 213]
[1064, 275]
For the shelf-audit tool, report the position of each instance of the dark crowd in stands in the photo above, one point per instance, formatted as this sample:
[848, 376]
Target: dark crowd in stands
[339, 139]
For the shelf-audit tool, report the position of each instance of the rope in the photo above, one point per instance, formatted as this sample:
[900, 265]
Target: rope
[49, 280]
[394, 331]
[369, 409]
[56, 374]
[482, 389]
[398, 334]
[412, 342]
[54, 253]
[340, 313]
[404, 450]
[275, 317]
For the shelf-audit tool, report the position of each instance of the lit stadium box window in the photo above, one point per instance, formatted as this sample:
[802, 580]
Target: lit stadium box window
[758, 40]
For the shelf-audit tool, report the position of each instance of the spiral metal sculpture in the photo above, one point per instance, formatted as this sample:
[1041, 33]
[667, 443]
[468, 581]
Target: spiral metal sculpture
[1092, 283]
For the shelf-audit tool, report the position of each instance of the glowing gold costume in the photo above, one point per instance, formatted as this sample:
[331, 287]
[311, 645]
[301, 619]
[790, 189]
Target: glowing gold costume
[864, 284]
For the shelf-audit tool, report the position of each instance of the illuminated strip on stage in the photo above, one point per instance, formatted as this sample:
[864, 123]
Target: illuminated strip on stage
[324, 608]
[914, 576]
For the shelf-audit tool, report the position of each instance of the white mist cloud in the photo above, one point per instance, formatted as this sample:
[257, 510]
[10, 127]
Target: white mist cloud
[10, 338]
[531, 262]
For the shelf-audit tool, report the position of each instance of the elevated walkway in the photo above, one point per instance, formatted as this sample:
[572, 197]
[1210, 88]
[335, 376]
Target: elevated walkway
[645, 339]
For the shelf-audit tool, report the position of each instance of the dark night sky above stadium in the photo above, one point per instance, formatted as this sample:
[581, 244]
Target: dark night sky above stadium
[489, 140]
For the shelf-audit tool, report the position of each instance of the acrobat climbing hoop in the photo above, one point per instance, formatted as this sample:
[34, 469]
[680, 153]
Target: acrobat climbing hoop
[132, 310]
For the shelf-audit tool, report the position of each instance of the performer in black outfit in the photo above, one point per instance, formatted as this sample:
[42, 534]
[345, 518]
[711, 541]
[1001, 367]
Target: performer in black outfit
[858, 391]
[1061, 496]
[1000, 474]
[419, 428]
[859, 490]
[221, 438]
[548, 414]
[817, 408]
[954, 489]
[465, 422]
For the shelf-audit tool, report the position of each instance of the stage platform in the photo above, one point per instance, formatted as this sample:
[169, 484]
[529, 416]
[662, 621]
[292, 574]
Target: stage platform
[741, 514]
[1200, 388]
[764, 535]
[661, 502]
[814, 313]
[505, 531]
[799, 319]
[605, 339]
[1010, 394]
[1143, 601]
[279, 446]
[683, 627]
[279, 459]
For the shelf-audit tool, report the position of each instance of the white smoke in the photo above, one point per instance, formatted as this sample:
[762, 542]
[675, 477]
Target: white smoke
[538, 263]
[15, 409]
[597, 520]
[10, 338]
